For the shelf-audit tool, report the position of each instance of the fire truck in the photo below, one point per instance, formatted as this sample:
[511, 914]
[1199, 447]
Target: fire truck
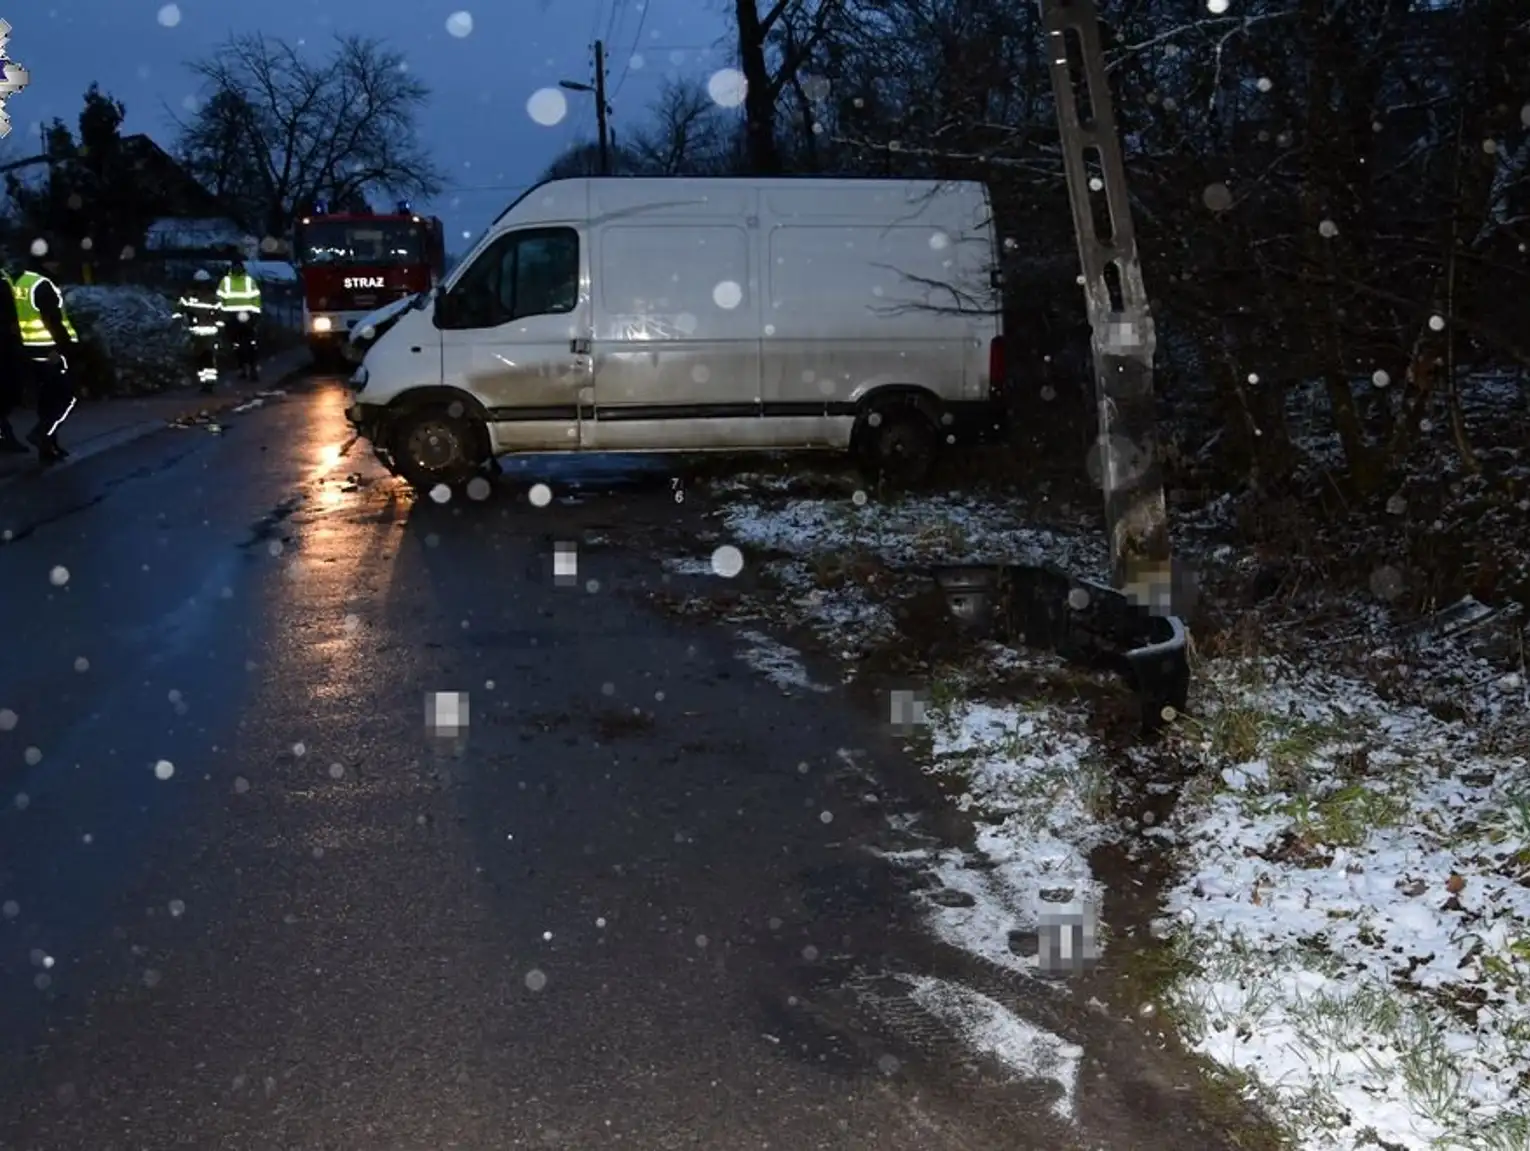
[353, 263]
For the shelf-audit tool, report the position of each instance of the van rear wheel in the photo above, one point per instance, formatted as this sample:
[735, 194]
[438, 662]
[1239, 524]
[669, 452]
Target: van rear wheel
[898, 447]
[439, 445]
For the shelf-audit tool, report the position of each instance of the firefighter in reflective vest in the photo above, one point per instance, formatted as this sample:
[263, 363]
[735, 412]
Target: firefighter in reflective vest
[202, 312]
[239, 298]
[48, 342]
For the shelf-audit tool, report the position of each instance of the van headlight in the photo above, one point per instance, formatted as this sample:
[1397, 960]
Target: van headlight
[322, 324]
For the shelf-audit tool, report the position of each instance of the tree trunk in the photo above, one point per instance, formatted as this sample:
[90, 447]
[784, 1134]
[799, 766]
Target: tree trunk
[759, 95]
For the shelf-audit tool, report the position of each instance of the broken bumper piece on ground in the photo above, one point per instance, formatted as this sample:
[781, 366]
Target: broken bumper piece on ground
[1084, 622]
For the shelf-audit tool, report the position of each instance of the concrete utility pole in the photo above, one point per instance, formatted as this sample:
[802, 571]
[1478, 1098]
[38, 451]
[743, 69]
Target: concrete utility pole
[1121, 325]
[602, 109]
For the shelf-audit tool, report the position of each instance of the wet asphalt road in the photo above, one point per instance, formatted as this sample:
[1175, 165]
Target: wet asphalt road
[248, 900]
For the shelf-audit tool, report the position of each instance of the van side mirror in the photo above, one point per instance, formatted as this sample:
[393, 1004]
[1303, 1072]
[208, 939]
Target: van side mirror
[445, 311]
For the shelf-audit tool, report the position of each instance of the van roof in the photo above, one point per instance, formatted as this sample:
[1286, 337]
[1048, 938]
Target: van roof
[795, 179]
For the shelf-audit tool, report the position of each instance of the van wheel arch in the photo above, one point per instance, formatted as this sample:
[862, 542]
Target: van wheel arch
[897, 434]
[458, 416]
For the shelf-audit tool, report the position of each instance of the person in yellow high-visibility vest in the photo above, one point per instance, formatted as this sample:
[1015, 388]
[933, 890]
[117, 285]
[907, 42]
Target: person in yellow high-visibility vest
[239, 299]
[48, 342]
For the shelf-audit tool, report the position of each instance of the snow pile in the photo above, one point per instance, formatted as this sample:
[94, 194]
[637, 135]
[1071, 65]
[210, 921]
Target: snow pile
[1355, 912]
[134, 328]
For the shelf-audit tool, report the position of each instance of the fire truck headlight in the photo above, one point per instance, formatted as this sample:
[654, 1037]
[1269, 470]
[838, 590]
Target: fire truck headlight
[322, 323]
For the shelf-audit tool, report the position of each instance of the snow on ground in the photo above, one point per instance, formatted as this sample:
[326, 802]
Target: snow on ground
[1355, 909]
[946, 529]
[1352, 921]
[778, 663]
[1031, 776]
[134, 327]
[992, 1029]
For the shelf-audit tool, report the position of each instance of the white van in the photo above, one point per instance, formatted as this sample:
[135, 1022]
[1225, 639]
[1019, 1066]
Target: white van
[710, 314]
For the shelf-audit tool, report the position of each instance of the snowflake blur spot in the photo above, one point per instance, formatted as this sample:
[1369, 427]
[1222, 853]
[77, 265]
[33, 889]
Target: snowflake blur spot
[478, 488]
[701, 373]
[1078, 599]
[939, 241]
[336, 771]
[600, 921]
[1217, 197]
[177, 908]
[874, 420]
[170, 15]
[540, 495]
[23, 801]
[825, 817]
[547, 106]
[1048, 392]
[1490, 146]
[535, 980]
[1386, 582]
[8, 719]
[10, 909]
[1328, 229]
[460, 24]
[815, 87]
[1096, 184]
[441, 493]
[1264, 83]
[1253, 377]
[858, 498]
[1380, 378]
[59, 576]
[727, 561]
[636, 62]
[727, 87]
[164, 769]
[241, 785]
[300, 749]
[701, 942]
[727, 295]
[1436, 323]
[32, 756]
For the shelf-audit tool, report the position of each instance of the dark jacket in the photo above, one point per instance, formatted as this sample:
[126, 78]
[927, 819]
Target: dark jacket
[12, 351]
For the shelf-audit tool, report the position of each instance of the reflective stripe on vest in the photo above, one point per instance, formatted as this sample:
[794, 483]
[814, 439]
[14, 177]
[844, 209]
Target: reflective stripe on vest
[34, 333]
[239, 294]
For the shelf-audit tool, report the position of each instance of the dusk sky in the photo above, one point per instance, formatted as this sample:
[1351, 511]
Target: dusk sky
[476, 123]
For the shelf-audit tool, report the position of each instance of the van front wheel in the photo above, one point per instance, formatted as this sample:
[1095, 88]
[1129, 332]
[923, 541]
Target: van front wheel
[898, 448]
[436, 445]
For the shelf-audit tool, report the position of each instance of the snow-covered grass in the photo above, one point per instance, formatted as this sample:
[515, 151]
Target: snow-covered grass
[145, 348]
[1354, 911]
[1349, 926]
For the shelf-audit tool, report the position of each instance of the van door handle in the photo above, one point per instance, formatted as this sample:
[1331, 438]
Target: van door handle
[579, 347]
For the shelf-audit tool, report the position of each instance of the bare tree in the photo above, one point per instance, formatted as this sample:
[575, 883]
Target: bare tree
[683, 136]
[276, 131]
[773, 46]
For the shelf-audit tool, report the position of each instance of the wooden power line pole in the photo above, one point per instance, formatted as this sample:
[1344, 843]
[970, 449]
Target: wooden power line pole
[602, 124]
